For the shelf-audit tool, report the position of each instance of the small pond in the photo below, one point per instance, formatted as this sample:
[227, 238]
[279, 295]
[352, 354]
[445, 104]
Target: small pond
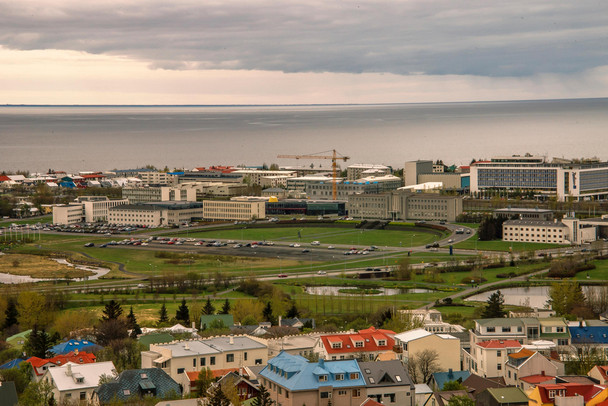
[535, 296]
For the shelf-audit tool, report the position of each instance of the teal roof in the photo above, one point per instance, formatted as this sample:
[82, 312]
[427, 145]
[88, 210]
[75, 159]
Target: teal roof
[296, 373]
[155, 338]
[23, 334]
[227, 319]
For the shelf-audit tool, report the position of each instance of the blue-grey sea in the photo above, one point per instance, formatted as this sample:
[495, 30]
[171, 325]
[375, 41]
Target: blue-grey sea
[103, 138]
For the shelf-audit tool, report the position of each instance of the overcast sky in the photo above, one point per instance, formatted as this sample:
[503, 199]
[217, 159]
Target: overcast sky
[271, 52]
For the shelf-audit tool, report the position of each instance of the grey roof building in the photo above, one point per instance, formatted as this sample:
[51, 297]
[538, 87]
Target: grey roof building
[137, 383]
[388, 382]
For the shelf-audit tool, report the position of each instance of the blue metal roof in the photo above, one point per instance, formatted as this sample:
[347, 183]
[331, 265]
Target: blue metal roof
[12, 363]
[71, 345]
[442, 377]
[589, 335]
[294, 373]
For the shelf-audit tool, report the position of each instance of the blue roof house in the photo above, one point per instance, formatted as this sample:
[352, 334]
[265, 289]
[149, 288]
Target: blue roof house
[584, 337]
[72, 345]
[293, 380]
[440, 378]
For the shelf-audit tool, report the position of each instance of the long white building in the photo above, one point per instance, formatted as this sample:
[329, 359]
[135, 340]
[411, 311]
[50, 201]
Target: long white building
[587, 180]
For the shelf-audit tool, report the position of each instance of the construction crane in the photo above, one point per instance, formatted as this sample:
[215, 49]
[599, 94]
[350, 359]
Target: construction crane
[334, 157]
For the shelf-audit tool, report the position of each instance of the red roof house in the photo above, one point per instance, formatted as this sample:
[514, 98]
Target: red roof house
[364, 345]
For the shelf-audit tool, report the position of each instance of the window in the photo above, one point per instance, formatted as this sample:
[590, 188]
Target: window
[287, 394]
[339, 377]
[391, 397]
[336, 345]
[258, 361]
[491, 329]
[322, 378]
[203, 363]
[180, 370]
[371, 380]
[498, 353]
[398, 378]
[324, 395]
[381, 342]
[551, 394]
[354, 375]
[358, 344]
[499, 367]
[280, 390]
[506, 329]
[245, 356]
[83, 395]
[341, 393]
[356, 393]
[211, 360]
[126, 392]
[194, 362]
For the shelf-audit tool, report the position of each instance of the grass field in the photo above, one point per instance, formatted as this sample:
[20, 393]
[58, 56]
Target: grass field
[326, 235]
[38, 267]
[473, 243]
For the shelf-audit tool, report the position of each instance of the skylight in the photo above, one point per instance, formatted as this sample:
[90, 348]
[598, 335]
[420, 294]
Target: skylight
[398, 378]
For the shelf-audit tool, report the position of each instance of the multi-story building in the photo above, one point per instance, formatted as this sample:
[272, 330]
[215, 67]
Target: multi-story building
[412, 343]
[156, 214]
[403, 205]
[256, 177]
[233, 210]
[388, 382]
[525, 330]
[535, 231]
[232, 352]
[432, 321]
[357, 171]
[523, 213]
[526, 369]
[563, 180]
[85, 209]
[157, 178]
[369, 185]
[488, 358]
[145, 194]
[294, 381]
[568, 394]
[364, 345]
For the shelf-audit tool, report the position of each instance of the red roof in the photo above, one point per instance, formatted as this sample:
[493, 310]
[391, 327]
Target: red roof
[370, 337]
[373, 329]
[500, 344]
[536, 379]
[4, 178]
[603, 369]
[587, 391]
[93, 176]
[371, 402]
[81, 357]
[523, 353]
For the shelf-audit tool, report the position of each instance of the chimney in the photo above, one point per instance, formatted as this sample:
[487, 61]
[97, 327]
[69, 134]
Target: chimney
[231, 339]
[450, 374]
[280, 318]
[68, 372]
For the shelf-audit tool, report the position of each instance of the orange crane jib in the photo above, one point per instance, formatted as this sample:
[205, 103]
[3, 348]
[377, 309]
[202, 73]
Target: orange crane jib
[334, 157]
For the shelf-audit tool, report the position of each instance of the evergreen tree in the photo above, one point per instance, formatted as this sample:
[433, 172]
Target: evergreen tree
[293, 312]
[204, 380]
[263, 398]
[38, 344]
[182, 313]
[225, 307]
[494, 307]
[267, 313]
[209, 308]
[132, 324]
[163, 317]
[218, 398]
[10, 313]
[112, 311]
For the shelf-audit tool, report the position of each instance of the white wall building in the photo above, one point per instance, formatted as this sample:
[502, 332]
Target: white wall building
[76, 382]
[233, 210]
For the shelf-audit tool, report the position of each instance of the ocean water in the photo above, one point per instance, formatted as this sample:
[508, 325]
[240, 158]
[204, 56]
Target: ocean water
[104, 138]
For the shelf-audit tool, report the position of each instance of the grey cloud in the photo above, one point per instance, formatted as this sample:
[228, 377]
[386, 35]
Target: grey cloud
[488, 38]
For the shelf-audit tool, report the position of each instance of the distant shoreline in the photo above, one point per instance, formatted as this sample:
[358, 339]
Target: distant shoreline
[298, 105]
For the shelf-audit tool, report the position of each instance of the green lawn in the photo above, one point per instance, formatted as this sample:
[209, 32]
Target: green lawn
[48, 218]
[600, 272]
[326, 235]
[498, 245]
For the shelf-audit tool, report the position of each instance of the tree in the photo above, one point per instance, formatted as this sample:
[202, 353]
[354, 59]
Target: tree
[124, 353]
[422, 365]
[263, 398]
[404, 270]
[209, 308]
[132, 324]
[11, 314]
[453, 385]
[267, 313]
[70, 324]
[494, 307]
[225, 307]
[112, 311]
[564, 296]
[38, 394]
[182, 313]
[21, 376]
[111, 330]
[204, 381]
[162, 316]
[293, 312]
[33, 310]
[38, 344]
[461, 400]
[218, 398]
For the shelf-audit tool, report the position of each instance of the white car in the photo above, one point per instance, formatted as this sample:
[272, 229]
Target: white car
[315, 243]
[321, 273]
[296, 245]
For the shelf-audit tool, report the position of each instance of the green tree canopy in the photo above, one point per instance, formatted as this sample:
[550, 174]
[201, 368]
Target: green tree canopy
[182, 313]
[112, 311]
[494, 307]
[209, 308]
